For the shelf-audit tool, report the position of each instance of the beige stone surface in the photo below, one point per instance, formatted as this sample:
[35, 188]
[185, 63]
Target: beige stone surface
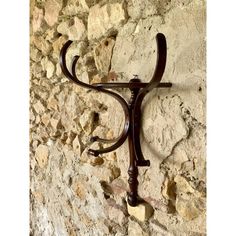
[103, 53]
[105, 20]
[57, 45]
[89, 3]
[74, 193]
[38, 107]
[49, 67]
[75, 7]
[41, 155]
[37, 19]
[116, 214]
[41, 44]
[142, 212]
[97, 161]
[52, 9]
[135, 229]
[73, 28]
[35, 55]
[189, 202]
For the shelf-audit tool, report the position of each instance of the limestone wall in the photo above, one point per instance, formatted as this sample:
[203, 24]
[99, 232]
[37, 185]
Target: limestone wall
[73, 193]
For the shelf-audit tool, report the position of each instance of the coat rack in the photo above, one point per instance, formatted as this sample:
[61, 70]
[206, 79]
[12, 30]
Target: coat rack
[132, 111]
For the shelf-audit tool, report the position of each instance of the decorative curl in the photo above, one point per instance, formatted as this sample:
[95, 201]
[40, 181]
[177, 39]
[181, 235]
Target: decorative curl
[73, 77]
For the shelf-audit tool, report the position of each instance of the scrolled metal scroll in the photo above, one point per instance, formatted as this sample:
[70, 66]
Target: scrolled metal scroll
[72, 76]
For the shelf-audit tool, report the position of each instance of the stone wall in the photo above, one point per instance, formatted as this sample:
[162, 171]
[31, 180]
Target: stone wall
[73, 193]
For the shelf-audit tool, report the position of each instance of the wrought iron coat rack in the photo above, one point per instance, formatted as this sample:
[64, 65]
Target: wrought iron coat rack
[132, 110]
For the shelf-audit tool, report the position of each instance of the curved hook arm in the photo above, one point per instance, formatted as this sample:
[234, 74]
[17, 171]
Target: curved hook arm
[120, 140]
[156, 78]
[103, 140]
[65, 70]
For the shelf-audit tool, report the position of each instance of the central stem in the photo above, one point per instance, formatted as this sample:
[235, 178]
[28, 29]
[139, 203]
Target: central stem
[133, 169]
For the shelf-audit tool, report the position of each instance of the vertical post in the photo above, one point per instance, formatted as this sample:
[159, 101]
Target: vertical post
[133, 169]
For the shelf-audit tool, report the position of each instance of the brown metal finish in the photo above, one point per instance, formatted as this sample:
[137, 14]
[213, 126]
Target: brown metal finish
[132, 110]
[129, 85]
[133, 169]
[155, 81]
[72, 76]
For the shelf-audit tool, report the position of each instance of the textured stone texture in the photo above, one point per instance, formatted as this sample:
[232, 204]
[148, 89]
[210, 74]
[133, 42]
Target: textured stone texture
[41, 155]
[105, 20]
[52, 9]
[189, 202]
[41, 44]
[37, 19]
[73, 28]
[103, 53]
[135, 229]
[73, 193]
[141, 212]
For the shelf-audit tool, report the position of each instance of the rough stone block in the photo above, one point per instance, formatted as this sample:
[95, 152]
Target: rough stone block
[105, 20]
[142, 212]
[52, 9]
[37, 19]
[103, 54]
[74, 29]
[134, 229]
[41, 155]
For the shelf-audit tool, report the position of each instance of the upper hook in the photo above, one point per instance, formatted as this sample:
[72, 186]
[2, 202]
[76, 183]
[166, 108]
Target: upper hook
[154, 82]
